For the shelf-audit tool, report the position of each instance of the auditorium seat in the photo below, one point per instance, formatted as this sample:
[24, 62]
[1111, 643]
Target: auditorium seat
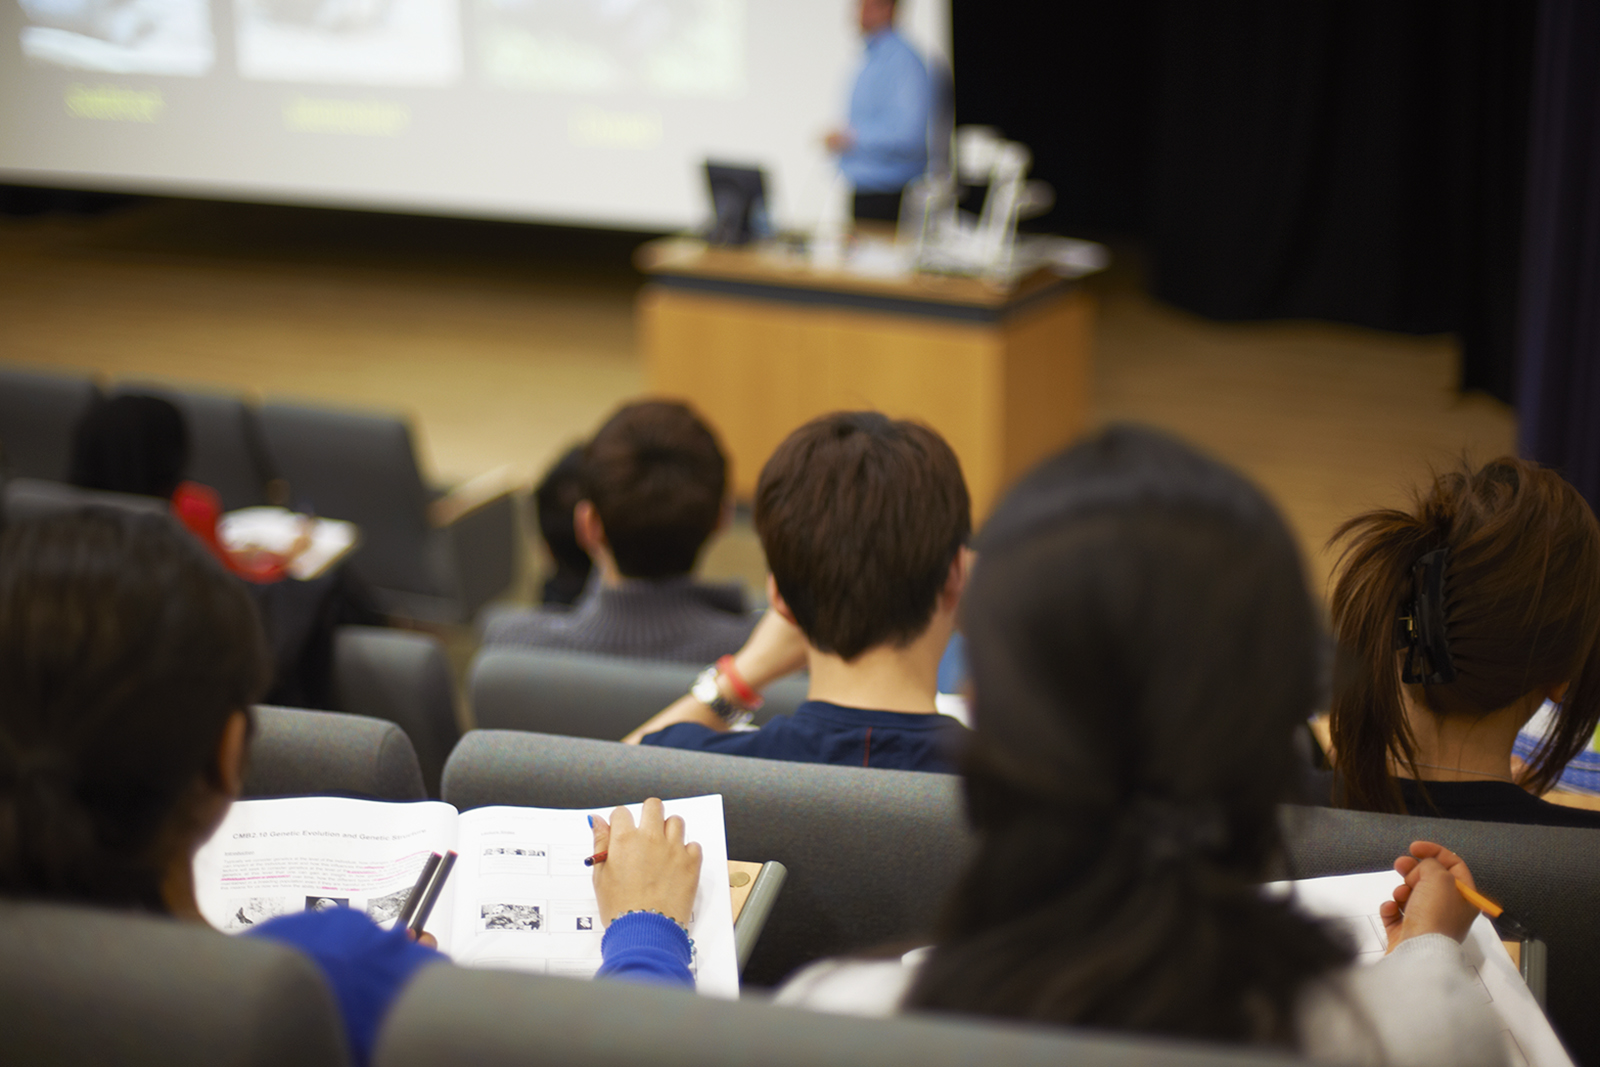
[1549, 877]
[870, 853]
[225, 447]
[578, 694]
[363, 468]
[38, 414]
[500, 1019]
[87, 987]
[311, 753]
[34, 498]
[403, 677]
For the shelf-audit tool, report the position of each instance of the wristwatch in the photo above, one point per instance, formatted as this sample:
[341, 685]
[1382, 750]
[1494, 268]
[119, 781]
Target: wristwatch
[707, 692]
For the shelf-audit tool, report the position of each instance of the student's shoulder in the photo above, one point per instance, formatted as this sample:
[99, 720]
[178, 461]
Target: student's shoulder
[528, 626]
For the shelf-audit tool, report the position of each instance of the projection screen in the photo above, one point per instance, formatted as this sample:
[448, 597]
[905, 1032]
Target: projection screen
[597, 112]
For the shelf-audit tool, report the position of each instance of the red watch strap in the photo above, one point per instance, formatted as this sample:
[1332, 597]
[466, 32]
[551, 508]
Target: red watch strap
[741, 688]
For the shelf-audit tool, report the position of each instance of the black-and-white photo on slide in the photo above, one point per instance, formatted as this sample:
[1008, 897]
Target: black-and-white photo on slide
[120, 36]
[326, 903]
[350, 42]
[683, 48]
[513, 918]
[245, 912]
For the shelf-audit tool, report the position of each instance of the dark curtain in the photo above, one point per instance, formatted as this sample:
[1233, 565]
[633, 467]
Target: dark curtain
[1353, 160]
[1559, 366]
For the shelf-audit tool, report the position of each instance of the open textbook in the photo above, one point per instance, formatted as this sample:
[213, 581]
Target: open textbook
[1353, 900]
[519, 897]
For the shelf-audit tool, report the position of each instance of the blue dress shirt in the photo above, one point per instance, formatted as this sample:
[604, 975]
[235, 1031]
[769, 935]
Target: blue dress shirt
[888, 116]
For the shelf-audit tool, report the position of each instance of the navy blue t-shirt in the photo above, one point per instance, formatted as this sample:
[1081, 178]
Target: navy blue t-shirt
[819, 732]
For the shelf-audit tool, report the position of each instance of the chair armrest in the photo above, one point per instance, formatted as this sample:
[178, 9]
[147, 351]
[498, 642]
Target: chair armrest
[757, 907]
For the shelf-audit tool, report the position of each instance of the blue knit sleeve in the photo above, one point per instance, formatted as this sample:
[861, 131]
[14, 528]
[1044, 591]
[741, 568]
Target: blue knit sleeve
[645, 947]
[366, 967]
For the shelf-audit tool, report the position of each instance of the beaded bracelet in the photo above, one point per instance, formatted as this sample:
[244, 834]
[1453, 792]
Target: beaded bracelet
[650, 911]
[664, 915]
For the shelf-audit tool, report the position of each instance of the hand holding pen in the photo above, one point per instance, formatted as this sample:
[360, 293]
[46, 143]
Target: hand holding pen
[648, 867]
[414, 913]
[1436, 897]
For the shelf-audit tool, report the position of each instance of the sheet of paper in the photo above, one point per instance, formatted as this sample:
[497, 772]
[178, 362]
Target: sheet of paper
[279, 530]
[274, 857]
[526, 901]
[1353, 901]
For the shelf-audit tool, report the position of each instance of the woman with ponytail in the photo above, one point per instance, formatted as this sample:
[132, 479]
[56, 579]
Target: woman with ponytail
[1142, 646]
[1456, 621]
[129, 660]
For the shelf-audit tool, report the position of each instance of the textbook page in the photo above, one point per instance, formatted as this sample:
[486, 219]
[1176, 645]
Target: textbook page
[275, 857]
[1353, 900]
[524, 899]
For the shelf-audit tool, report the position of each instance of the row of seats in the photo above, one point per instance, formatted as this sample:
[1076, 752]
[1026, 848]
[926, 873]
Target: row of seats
[341, 464]
[86, 987]
[872, 854]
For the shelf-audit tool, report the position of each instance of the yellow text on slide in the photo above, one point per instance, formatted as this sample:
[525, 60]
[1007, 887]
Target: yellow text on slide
[365, 118]
[614, 129]
[113, 104]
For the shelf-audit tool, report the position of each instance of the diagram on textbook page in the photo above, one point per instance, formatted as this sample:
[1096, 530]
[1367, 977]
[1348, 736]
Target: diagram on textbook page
[519, 896]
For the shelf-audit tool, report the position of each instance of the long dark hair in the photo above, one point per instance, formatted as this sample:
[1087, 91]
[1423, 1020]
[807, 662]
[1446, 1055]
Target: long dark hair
[124, 648]
[1521, 610]
[1142, 644]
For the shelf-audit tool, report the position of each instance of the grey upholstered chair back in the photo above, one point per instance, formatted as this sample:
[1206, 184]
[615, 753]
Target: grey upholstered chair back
[311, 753]
[32, 498]
[361, 468]
[581, 695]
[871, 854]
[403, 677]
[83, 986]
[225, 447]
[1547, 876]
[497, 1019]
[38, 413]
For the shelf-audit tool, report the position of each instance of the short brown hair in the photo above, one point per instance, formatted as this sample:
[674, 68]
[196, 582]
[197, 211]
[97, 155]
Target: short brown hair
[1521, 610]
[861, 517]
[657, 477]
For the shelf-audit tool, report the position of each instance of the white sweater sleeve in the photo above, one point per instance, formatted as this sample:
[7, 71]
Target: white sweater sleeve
[1421, 1004]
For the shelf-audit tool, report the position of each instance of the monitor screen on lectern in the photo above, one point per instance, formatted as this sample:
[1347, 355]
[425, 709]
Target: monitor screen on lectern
[588, 111]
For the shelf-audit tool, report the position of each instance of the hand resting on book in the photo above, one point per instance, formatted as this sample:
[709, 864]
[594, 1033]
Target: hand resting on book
[647, 867]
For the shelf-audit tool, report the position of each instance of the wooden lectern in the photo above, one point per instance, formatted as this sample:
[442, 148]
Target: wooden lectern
[760, 341]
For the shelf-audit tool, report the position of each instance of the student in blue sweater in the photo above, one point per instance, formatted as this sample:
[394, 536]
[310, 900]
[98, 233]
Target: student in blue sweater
[129, 660]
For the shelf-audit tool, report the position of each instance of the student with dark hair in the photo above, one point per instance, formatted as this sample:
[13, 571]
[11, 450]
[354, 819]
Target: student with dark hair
[864, 520]
[556, 499]
[655, 490]
[1142, 645]
[1457, 619]
[129, 660]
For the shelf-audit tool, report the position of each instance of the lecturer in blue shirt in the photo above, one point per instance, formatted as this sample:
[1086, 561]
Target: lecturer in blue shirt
[885, 144]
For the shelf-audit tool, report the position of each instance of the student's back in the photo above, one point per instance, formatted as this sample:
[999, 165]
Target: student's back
[1142, 644]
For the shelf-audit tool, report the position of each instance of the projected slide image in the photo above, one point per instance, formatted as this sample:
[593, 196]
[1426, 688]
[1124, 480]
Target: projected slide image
[686, 48]
[120, 36]
[350, 42]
